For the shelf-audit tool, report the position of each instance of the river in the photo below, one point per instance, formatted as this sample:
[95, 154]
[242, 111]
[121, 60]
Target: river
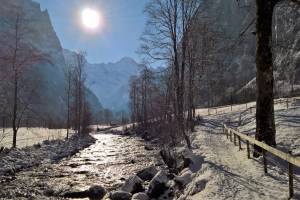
[108, 162]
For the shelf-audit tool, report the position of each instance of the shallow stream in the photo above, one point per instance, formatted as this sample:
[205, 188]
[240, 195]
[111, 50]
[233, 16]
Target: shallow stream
[108, 162]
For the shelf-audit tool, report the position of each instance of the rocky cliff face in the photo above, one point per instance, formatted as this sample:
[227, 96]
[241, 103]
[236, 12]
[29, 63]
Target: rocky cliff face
[235, 21]
[40, 34]
[286, 40]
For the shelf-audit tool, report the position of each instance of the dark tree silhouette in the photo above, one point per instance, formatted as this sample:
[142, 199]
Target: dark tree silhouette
[265, 122]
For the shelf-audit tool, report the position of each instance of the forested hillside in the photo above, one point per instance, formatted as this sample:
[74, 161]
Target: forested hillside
[229, 27]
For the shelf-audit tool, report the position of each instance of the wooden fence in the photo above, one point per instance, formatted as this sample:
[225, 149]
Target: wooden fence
[216, 110]
[238, 137]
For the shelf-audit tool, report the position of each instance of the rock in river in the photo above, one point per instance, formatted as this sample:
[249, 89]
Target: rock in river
[159, 186]
[133, 185]
[120, 195]
[95, 192]
[148, 173]
[140, 196]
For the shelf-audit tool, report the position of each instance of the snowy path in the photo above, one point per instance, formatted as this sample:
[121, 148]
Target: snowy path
[231, 174]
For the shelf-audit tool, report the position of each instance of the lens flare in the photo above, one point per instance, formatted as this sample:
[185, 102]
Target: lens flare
[90, 18]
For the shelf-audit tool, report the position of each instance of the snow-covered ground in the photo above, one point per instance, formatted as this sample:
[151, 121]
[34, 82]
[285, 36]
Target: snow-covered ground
[99, 126]
[15, 160]
[279, 103]
[30, 136]
[227, 173]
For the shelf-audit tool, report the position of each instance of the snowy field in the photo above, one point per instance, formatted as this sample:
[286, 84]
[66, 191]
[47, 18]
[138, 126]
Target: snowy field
[227, 173]
[30, 136]
[101, 126]
[279, 103]
[242, 118]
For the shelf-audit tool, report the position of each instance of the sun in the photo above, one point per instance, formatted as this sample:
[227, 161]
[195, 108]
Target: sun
[90, 18]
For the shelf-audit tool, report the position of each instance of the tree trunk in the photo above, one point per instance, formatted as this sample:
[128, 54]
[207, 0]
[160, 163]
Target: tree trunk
[191, 96]
[265, 124]
[68, 107]
[15, 110]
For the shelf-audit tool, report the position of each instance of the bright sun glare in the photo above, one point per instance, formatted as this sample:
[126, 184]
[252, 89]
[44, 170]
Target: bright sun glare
[90, 18]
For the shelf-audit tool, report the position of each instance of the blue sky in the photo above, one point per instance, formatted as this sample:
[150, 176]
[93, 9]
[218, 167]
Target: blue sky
[124, 22]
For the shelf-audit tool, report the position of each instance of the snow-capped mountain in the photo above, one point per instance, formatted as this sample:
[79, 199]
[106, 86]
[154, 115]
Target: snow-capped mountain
[110, 81]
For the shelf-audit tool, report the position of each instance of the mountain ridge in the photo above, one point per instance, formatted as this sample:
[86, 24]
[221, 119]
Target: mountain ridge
[110, 81]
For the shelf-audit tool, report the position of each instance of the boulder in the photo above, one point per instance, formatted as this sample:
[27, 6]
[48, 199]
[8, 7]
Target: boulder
[37, 146]
[185, 177]
[149, 148]
[95, 192]
[140, 196]
[76, 194]
[148, 173]
[159, 186]
[1, 149]
[198, 186]
[127, 133]
[133, 185]
[169, 158]
[146, 136]
[46, 142]
[120, 195]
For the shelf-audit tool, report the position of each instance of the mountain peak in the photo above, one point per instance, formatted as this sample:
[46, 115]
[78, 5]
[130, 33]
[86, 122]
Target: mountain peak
[127, 60]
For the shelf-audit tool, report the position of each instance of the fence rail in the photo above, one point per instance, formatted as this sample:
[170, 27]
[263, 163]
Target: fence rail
[292, 160]
[249, 105]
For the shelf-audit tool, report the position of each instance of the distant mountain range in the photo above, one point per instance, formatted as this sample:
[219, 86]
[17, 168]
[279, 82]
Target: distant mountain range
[110, 81]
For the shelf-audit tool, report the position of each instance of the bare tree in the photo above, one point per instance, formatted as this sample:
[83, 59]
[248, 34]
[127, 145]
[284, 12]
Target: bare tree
[133, 104]
[68, 72]
[192, 49]
[108, 115]
[79, 89]
[18, 59]
[166, 39]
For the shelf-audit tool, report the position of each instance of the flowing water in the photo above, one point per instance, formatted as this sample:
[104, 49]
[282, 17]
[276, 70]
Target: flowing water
[108, 162]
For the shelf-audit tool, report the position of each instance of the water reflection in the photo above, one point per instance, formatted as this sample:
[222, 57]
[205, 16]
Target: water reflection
[108, 162]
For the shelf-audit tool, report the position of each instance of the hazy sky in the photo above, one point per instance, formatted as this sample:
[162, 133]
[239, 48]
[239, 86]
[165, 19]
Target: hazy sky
[123, 23]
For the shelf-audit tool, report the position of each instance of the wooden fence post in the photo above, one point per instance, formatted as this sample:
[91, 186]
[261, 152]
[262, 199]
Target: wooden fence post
[265, 161]
[248, 149]
[291, 183]
[234, 139]
[240, 145]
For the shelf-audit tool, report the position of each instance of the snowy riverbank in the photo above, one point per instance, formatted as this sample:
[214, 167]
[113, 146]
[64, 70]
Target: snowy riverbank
[30, 136]
[15, 160]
